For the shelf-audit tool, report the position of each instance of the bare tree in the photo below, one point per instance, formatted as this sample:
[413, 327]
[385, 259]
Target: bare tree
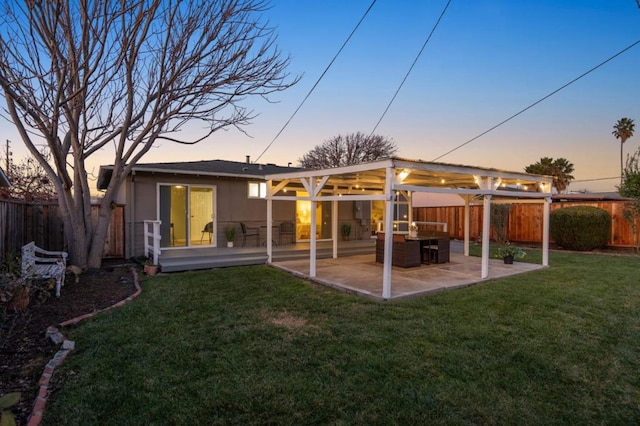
[29, 181]
[88, 76]
[353, 148]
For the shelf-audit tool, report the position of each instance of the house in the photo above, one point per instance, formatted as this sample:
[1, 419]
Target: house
[191, 203]
[4, 180]
[589, 196]
[4, 185]
[195, 201]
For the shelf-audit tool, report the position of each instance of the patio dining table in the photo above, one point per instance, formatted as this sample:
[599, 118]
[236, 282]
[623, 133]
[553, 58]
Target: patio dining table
[433, 249]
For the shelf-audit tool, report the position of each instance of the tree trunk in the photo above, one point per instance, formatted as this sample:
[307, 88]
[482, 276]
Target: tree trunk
[621, 162]
[101, 228]
[74, 229]
[100, 234]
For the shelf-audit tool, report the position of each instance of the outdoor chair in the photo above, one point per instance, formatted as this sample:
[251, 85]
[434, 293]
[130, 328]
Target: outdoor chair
[287, 229]
[208, 228]
[249, 232]
[42, 264]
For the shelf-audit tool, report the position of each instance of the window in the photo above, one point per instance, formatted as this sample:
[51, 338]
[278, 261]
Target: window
[257, 190]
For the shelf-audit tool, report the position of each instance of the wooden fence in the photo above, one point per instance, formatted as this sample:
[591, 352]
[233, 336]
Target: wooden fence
[525, 220]
[22, 222]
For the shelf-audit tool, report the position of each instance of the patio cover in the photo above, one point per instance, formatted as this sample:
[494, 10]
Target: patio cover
[386, 179]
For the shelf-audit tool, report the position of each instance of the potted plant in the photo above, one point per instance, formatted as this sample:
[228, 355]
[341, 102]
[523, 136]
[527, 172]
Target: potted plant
[230, 234]
[346, 231]
[150, 268]
[508, 253]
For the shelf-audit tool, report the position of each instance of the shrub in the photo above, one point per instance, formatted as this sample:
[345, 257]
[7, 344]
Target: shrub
[580, 227]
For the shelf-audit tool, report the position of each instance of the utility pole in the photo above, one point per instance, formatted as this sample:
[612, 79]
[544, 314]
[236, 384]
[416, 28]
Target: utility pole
[8, 159]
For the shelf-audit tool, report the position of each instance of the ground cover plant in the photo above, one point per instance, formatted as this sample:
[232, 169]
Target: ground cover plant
[254, 345]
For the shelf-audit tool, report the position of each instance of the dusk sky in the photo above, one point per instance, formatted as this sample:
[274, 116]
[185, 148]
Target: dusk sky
[486, 61]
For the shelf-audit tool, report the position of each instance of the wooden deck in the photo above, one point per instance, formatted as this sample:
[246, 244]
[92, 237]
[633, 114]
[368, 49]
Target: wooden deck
[187, 259]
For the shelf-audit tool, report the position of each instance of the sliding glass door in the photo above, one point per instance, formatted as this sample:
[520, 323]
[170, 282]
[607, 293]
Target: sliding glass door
[303, 219]
[187, 215]
[400, 215]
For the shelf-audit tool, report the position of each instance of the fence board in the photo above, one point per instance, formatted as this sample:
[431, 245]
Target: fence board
[525, 220]
[22, 222]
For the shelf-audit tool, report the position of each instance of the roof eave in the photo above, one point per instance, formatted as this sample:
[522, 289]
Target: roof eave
[107, 169]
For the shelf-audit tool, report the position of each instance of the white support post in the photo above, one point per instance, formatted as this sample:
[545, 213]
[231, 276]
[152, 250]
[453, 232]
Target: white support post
[545, 231]
[334, 227]
[313, 242]
[269, 225]
[312, 259]
[388, 235]
[486, 230]
[410, 212]
[467, 223]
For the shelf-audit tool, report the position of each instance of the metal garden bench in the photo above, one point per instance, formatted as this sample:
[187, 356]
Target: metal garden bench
[38, 263]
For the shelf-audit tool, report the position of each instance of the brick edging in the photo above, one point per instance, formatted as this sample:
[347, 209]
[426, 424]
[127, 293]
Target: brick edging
[67, 346]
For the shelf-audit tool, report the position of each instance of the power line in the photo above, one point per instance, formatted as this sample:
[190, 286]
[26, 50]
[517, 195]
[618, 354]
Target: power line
[411, 67]
[318, 81]
[538, 101]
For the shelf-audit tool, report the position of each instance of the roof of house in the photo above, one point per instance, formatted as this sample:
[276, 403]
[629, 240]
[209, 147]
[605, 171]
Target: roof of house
[203, 168]
[589, 196]
[4, 180]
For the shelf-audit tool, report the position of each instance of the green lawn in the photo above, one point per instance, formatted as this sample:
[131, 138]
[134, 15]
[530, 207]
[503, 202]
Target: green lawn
[253, 345]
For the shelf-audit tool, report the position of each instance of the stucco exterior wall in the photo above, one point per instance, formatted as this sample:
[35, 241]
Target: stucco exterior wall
[231, 200]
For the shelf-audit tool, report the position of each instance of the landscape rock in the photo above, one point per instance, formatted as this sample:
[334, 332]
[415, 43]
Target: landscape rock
[69, 345]
[54, 335]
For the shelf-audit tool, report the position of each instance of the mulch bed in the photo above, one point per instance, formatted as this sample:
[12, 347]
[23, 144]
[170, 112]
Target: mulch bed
[24, 350]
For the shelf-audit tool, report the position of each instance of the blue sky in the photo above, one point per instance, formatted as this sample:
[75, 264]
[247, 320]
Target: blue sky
[487, 60]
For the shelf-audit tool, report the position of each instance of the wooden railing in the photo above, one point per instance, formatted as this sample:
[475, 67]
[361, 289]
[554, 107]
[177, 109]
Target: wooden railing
[152, 239]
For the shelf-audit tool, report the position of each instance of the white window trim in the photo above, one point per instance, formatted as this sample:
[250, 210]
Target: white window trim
[262, 190]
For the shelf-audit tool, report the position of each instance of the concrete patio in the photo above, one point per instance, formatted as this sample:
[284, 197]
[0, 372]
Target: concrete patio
[360, 274]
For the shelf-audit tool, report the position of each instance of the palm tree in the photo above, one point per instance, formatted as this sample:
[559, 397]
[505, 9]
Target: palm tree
[562, 176]
[623, 130]
[560, 169]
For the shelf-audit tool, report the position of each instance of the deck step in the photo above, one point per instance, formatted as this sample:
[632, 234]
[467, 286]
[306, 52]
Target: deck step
[186, 260]
[189, 264]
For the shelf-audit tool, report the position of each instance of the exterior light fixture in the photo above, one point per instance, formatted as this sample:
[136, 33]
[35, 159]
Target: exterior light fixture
[403, 174]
